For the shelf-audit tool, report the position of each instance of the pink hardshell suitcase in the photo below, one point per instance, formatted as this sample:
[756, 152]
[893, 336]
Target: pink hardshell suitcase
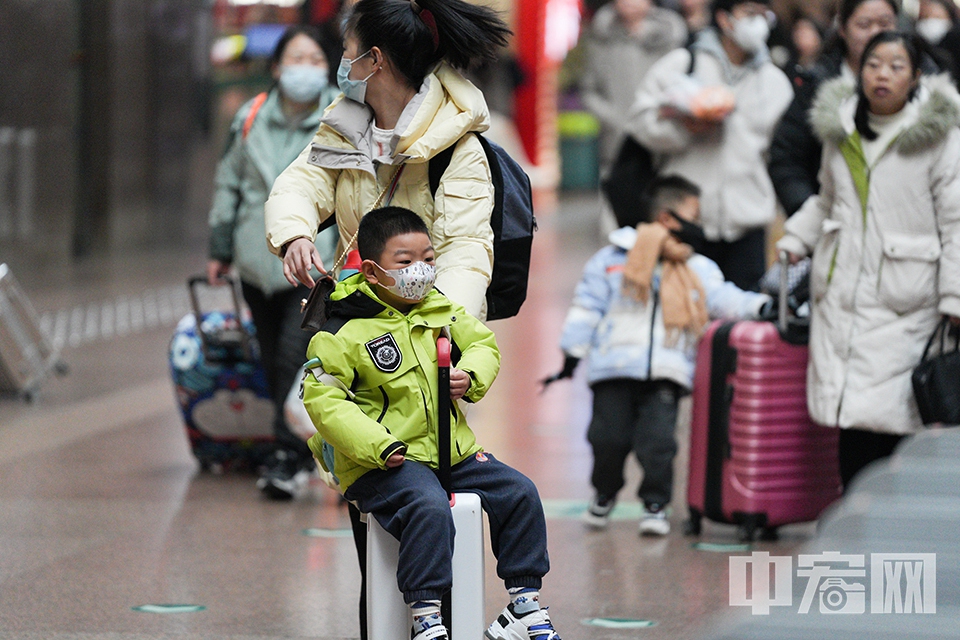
[756, 459]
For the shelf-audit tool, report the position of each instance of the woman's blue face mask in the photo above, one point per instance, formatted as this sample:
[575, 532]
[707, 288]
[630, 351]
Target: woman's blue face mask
[355, 90]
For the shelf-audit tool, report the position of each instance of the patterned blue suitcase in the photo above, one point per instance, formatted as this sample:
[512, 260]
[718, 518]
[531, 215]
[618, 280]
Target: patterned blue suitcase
[221, 386]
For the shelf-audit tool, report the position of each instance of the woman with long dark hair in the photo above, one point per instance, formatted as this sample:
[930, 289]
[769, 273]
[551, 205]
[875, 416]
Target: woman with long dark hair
[404, 100]
[267, 134]
[885, 237]
[795, 150]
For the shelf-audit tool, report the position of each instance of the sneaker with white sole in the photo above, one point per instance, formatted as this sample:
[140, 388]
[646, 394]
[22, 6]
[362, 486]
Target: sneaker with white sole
[284, 478]
[598, 511]
[535, 625]
[654, 521]
[434, 632]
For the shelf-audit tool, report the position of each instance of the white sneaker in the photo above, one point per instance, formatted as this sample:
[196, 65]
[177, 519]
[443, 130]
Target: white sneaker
[654, 521]
[535, 625]
[597, 514]
[285, 478]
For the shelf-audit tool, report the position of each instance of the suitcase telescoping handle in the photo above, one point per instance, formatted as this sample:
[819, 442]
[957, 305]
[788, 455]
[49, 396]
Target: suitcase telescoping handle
[782, 294]
[443, 447]
[236, 334]
[443, 413]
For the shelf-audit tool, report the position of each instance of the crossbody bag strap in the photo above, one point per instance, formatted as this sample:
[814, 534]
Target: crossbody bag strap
[383, 200]
[252, 115]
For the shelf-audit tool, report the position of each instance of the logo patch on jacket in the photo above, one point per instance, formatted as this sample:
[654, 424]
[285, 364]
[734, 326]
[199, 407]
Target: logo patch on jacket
[385, 353]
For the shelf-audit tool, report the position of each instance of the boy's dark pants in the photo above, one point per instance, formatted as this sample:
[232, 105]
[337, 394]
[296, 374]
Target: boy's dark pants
[639, 416]
[410, 504]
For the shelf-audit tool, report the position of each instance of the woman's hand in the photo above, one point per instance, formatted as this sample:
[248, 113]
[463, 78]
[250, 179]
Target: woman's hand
[459, 383]
[215, 270]
[300, 257]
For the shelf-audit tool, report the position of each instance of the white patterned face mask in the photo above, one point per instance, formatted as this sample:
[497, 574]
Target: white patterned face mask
[413, 282]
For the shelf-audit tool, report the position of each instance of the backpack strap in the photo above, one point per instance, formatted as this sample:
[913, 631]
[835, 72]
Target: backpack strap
[440, 162]
[254, 109]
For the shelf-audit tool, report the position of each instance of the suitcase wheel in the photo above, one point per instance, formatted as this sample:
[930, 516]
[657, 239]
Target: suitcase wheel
[769, 534]
[693, 525]
[753, 527]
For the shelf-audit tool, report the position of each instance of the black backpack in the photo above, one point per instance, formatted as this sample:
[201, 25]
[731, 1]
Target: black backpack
[513, 225]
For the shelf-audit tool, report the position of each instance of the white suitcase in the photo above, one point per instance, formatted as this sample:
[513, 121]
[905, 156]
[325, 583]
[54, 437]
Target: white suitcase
[26, 355]
[388, 617]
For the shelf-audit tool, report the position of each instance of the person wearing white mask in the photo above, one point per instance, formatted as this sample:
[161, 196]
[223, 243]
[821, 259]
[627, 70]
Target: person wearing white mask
[267, 134]
[719, 137]
[938, 23]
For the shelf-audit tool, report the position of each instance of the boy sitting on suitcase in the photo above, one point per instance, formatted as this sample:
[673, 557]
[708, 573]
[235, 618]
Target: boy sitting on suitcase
[378, 411]
[637, 314]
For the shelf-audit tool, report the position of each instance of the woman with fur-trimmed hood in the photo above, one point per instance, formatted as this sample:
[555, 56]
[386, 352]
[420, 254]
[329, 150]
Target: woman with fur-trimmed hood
[885, 236]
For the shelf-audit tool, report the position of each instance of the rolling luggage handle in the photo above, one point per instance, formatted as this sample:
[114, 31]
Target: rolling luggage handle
[229, 336]
[443, 414]
[782, 294]
[793, 330]
[443, 447]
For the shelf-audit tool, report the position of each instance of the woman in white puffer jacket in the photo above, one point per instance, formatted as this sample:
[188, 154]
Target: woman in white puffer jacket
[885, 236]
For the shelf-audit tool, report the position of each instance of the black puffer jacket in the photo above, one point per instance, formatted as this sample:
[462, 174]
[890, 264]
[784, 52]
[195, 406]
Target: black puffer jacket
[795, 151]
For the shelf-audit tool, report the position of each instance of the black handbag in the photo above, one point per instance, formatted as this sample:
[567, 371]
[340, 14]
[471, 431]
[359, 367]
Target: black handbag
[630, 176]
[936, 380]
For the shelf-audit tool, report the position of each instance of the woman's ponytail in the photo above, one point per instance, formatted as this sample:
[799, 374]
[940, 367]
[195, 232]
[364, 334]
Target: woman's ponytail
[416, 34]
[861, 119]
[466, 31]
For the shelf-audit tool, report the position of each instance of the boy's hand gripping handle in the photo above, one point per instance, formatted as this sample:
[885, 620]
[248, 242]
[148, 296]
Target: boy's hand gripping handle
[443, 413]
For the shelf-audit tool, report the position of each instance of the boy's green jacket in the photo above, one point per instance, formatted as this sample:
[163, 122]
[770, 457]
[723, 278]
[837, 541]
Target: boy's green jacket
[388, 360]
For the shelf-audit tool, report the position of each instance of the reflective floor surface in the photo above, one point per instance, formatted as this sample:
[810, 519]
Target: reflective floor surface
[104, 515]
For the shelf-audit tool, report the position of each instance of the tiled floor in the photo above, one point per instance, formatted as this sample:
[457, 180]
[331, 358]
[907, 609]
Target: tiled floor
[102, 508]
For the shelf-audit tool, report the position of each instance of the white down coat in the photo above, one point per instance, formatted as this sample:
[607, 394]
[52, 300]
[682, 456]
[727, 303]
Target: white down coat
[729, 164]
[883, 272]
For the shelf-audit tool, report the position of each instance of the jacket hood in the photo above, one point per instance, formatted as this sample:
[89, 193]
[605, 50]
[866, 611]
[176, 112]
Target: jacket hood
[623, 238]
[446, 107]
[937, 111]
[708, 41]
[660, 27]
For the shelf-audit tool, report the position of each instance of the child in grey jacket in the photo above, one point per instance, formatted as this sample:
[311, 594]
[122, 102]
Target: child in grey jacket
[637, 314]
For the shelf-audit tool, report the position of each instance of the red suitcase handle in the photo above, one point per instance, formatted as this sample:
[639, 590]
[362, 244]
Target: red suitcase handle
[443, 414]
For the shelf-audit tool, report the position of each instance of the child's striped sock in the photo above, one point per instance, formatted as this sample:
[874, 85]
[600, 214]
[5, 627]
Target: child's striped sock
[524, 599]
[425, 614]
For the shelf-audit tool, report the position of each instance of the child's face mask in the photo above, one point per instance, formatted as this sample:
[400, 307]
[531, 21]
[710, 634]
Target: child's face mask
[411, 283]
[688, 233]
